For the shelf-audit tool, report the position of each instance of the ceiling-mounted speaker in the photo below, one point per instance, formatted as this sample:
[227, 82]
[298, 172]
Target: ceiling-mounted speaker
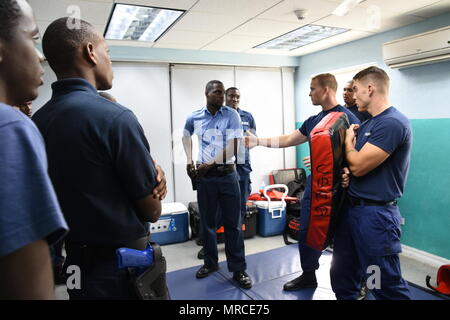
[301, 14]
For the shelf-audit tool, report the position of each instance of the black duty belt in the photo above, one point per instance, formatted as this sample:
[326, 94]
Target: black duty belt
[367, 202]
[220, 170]
[105, 251]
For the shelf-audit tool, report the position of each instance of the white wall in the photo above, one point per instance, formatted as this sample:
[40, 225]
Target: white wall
[144, 88]
[45, 92]
[261, 94]
[162, 96]
[289, 113]
[188, 94]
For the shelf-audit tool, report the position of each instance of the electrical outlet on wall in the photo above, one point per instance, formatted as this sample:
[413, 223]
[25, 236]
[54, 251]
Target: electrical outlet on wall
[402, 222]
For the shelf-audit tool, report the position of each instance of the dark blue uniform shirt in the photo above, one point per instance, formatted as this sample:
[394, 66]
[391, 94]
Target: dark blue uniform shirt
[391, 132]
[248, 124]
[362, 116]
[99, 162]
[311, 122]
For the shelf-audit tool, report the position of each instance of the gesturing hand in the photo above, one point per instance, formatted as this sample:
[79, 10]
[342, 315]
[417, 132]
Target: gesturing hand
[250, 140]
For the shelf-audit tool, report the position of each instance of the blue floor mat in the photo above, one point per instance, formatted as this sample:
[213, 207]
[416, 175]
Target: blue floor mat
[183, 285]
[269, 270]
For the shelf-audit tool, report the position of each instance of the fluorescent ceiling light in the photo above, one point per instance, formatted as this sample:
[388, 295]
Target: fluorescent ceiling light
[139, 23]
[345, 7]
[301, 37]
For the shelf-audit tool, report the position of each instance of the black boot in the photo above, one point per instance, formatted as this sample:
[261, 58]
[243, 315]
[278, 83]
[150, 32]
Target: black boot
[364, 292]
[306, 280]
[243, 279]
[201, 254]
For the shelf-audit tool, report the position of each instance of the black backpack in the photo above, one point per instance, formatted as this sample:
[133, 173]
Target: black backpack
[292, 228]
[296, 189]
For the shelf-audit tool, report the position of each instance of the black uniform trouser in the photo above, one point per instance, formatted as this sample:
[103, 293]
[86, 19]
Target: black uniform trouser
[100, 276]
[223, 191]
[246, 189]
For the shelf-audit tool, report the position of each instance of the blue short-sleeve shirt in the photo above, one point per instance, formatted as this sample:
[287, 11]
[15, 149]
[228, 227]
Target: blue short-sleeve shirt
[311, 122]
[213, 131]
[99, 163]
[29, 210]
[390, 131]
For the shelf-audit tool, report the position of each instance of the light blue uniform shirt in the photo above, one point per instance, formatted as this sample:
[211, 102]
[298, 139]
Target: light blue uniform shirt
[213, 131]
[29, 210]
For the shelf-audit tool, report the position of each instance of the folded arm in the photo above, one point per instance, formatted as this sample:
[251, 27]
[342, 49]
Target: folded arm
[365, 160]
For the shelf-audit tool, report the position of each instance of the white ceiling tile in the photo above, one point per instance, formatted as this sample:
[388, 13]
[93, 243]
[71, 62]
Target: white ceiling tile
[188, 37]
[93, 12]
[438, 8]
[284, 11]
[248, 8]
[188, 46]
[399, 6]
[265, 28]
[207, 22]
[399, 21]
[369, 19]
[172, 4]
[231, 42]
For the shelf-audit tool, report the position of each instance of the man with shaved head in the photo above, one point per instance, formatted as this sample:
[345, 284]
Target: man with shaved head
[99, 161]
[30, 216]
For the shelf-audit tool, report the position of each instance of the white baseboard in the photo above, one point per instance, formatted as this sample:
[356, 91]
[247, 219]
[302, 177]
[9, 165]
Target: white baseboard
[424, 257]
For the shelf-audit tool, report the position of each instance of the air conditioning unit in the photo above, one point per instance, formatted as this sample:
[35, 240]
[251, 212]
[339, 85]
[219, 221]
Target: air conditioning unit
[420, 49]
